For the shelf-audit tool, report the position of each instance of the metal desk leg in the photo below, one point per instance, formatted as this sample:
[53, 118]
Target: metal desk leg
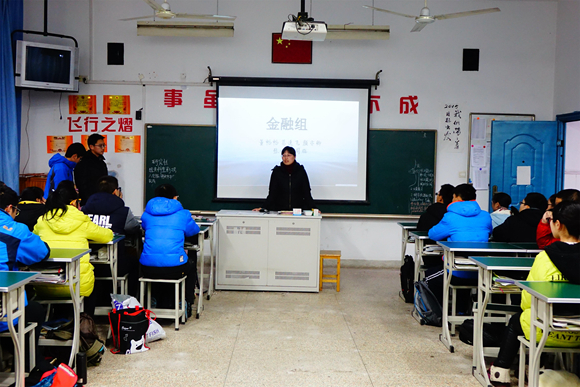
[200, 298]
[445, 336]
[17, 337]
[404, 247]
[73, 270]
[211, 253]
[112, 253]
[479, 369]
[537, 321]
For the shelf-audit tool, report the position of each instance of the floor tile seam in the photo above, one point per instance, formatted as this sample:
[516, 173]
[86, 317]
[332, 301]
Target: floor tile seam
[354, 341]
[236, 340]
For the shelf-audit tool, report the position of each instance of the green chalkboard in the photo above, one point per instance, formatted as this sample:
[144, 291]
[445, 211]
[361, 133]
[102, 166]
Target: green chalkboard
[401, 170]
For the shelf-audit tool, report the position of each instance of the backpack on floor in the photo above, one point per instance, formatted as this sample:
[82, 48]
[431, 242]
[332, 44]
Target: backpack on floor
[407, 274]
[426, 304]
[90, 342]
[492, 333]
[129, 330]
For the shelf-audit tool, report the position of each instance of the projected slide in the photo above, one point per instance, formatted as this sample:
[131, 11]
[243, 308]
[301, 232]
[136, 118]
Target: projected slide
[326, 127]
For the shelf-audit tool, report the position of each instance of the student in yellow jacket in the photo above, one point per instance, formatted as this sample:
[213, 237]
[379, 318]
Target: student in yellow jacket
[65, 226]
[560, 261]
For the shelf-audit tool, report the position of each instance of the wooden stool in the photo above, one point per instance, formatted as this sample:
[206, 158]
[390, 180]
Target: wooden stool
[330, 254]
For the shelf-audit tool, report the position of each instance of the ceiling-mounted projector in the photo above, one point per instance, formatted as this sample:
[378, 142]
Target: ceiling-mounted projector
[305, 30]
[302, 27]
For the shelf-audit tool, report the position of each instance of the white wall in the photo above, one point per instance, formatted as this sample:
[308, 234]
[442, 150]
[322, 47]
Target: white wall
[567, 85]
[517, 71]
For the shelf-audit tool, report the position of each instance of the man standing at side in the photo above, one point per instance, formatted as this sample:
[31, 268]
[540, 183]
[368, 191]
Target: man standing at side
[61, 168]
[91, 168]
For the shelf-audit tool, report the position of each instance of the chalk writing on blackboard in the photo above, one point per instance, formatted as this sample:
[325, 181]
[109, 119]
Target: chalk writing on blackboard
[421, 190]
[160, 170]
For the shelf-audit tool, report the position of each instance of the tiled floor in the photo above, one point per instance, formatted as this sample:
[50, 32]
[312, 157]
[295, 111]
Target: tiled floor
[362, 336]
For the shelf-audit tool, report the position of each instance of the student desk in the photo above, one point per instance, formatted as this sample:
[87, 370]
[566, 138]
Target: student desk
[407, 227]
[199, 247]
[112, 257]
[486, 266]
[12, 289]
[450, 265]
[210, 225]
[70, 257]
[544, 296]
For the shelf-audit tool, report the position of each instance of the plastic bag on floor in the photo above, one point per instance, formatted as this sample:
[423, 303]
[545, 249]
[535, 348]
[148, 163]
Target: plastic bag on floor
[122, 301]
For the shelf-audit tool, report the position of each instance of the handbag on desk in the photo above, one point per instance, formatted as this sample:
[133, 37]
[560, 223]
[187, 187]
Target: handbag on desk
[129, 330]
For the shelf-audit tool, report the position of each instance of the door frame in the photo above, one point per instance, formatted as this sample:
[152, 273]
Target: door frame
[562, 120]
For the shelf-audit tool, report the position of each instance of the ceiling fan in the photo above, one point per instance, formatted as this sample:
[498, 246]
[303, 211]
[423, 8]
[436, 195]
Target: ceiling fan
[163, 11]
[425, 17]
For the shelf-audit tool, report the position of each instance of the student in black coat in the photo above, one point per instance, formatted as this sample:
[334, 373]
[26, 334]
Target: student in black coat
[435, 211]
[107, 209]
[522, 226]
[91, 168]
[31, 206]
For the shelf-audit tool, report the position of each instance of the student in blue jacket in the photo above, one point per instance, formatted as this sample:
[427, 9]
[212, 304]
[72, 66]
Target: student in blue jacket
[464, 221]
[166, 225]
[61, 167]
[19, 245]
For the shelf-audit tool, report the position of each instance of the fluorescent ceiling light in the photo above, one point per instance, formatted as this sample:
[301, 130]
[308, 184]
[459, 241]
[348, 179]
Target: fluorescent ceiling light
[352, 32]
[186, 28]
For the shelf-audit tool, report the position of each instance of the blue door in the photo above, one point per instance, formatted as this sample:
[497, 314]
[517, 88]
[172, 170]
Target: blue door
[529, 145]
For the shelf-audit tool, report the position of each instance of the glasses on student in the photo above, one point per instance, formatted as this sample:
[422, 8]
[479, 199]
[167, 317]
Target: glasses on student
[101, 146]
[17, 210]
[522, 202]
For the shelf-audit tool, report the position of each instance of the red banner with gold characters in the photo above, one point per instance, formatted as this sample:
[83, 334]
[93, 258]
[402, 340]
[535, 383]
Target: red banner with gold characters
[127, 144]
[85, 139]
[116, 104]
[57, 144]
[82, 104]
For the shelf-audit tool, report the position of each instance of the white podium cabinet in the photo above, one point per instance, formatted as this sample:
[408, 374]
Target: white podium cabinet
[259, 251]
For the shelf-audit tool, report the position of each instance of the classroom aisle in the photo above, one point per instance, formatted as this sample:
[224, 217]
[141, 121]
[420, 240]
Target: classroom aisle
[362, 336]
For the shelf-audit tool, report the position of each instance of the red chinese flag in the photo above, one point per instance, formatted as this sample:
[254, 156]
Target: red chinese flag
[291, 51]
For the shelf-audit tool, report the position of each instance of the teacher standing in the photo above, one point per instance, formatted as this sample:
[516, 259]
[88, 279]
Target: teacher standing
[289, 185]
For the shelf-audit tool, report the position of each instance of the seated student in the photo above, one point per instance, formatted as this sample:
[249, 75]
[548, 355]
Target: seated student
[166, 224]
[463, 222]
[19, 245]
[65, 226]
[61, 167]
[544, 235]
[500, 203]
[435, 211]
[31, 206]
[107, 209]
[558, 262]
[522, 226]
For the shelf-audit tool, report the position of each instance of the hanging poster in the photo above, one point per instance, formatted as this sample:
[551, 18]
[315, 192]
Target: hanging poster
[116, 104]
[82, 104]
[127, 144]
[57, 144]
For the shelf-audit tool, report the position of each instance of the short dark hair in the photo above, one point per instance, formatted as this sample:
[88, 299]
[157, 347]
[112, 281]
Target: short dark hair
[8, 197]
[290, 150]
[502, 198]
[446, 192]
[536, 200]
[75, 149]
[465, 192]
[552, 199]
[107, 184]
[31, 194]
[570, 194]
[165, 191]
[93, 138]
[568, 213]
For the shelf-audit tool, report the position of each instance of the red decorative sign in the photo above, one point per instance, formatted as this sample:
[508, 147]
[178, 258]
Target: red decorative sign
[375, 103]
[210, 100]
[173, 98]
[408, 105]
